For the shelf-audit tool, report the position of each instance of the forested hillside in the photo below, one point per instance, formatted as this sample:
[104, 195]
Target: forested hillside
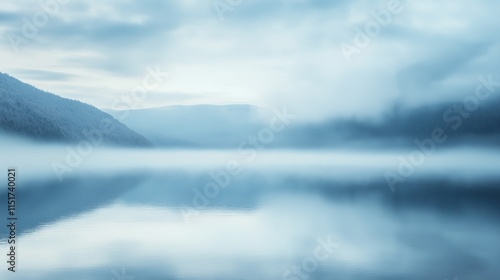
[28, 111]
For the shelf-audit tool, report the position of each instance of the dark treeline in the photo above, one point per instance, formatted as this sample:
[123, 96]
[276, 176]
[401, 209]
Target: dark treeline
[28, 111]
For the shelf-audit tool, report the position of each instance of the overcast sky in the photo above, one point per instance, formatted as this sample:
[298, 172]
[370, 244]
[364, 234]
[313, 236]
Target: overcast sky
[270, 53]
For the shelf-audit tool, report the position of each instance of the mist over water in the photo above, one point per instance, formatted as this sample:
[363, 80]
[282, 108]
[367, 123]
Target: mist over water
[250, 140]
[181, 214]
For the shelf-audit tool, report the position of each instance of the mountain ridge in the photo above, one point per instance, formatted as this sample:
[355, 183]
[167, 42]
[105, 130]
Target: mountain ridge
[37, 114]
[226, 126]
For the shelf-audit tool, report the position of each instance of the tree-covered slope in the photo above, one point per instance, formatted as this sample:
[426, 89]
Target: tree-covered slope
[30, 112]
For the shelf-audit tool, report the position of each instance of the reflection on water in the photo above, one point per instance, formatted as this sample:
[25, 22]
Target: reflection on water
[150, 223]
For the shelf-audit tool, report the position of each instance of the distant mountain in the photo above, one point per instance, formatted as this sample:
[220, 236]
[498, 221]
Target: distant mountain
[402, 126]
[197, 126]
[227, 126]
[30, 112]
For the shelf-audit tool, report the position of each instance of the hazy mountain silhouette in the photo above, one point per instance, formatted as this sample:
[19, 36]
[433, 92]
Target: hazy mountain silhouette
[401, 126]
[197, 126]
[30, 112]
[226, 126]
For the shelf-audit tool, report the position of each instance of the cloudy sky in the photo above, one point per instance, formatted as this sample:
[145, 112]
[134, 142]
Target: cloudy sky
[319, 58]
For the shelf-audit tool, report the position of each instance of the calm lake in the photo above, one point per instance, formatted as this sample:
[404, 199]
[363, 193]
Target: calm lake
[195, 214]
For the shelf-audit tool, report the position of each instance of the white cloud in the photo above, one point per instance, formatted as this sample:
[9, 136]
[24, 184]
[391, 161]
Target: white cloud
[267, 53]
